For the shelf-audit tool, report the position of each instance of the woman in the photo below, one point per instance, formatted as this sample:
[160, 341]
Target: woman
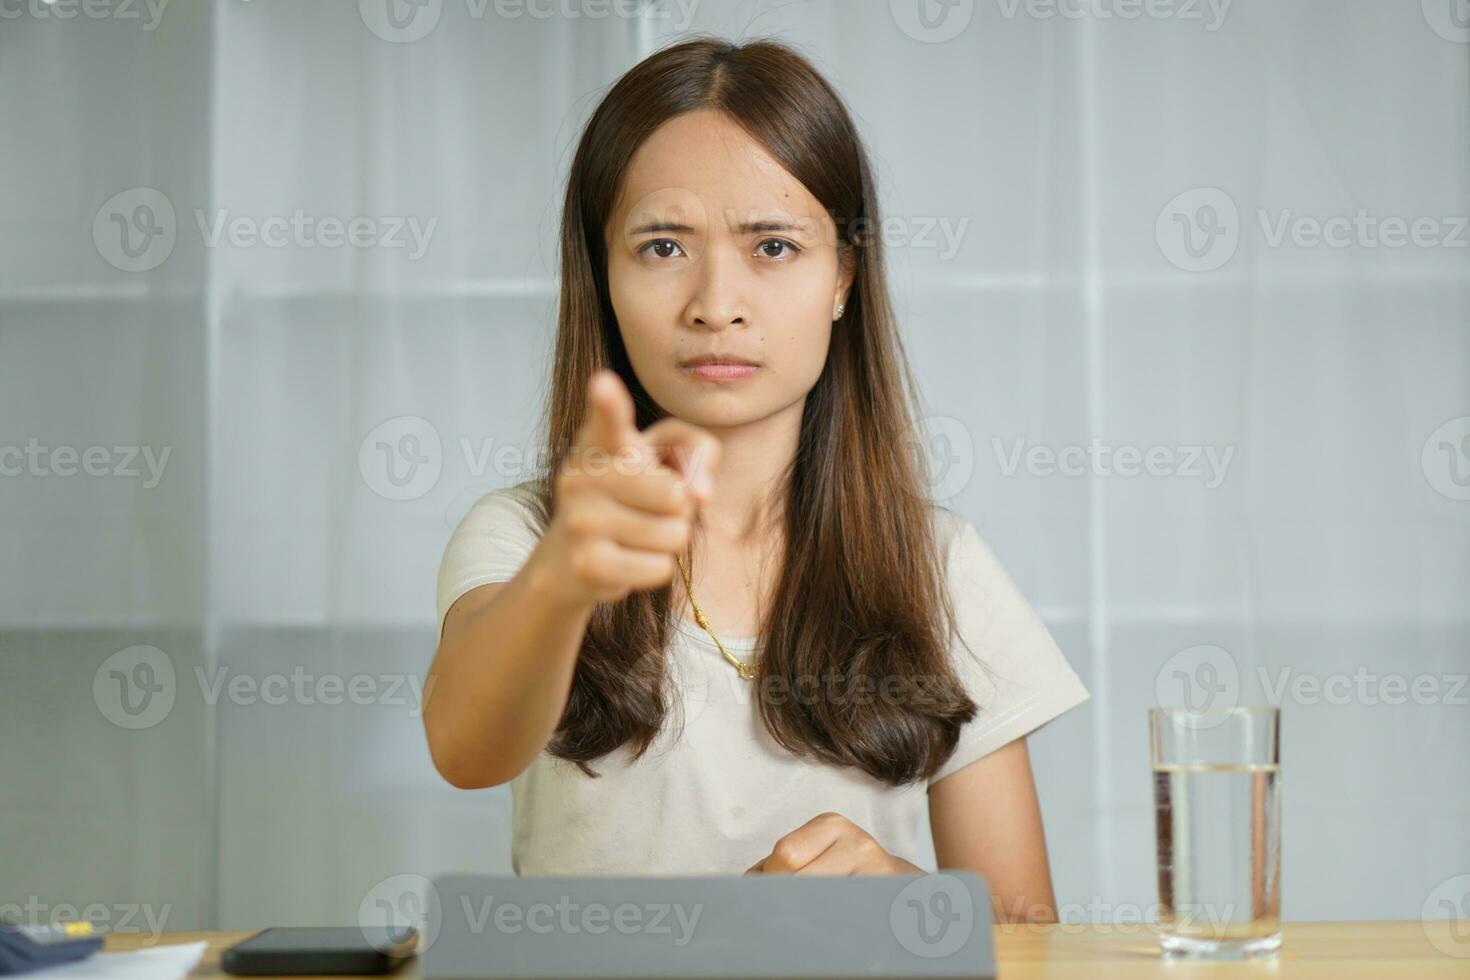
[734, 530]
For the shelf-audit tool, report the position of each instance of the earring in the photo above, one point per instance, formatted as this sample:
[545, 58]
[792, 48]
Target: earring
[840, 308]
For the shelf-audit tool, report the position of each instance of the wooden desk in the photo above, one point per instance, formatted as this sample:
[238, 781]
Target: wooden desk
[1310, 950]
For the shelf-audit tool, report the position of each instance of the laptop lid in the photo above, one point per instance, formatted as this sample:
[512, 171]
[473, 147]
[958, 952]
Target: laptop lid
[779, 925]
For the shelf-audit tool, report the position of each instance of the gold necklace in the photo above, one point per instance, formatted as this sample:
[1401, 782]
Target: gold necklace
[747, 671]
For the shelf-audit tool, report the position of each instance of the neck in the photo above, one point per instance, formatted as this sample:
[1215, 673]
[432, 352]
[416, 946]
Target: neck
[753, 459]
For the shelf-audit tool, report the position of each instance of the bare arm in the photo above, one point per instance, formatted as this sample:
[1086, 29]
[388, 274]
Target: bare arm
[986, 818]
[502, 675]
[500, 680]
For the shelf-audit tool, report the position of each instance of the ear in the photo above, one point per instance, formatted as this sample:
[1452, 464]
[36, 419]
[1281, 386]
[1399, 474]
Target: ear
[846, 272]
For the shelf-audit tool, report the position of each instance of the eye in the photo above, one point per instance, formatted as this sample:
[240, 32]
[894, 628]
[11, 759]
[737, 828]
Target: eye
[788, 247]
[656, 243]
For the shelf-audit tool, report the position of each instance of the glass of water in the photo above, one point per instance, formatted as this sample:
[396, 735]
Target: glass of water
[1217, 817]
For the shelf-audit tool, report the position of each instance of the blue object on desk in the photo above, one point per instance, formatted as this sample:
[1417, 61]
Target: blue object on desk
[29, 947]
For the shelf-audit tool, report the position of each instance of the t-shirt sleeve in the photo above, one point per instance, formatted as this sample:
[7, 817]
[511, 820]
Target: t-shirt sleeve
[1016, 674]
[490, 544]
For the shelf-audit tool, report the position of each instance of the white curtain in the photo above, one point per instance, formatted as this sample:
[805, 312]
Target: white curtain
[1100, 240]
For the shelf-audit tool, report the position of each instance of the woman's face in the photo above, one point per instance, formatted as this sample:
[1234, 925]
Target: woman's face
[713, 248]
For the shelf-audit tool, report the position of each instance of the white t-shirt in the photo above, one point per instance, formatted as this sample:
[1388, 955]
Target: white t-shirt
[715, 798]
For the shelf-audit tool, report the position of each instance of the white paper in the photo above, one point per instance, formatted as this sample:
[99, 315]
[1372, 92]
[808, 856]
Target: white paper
[150, 963]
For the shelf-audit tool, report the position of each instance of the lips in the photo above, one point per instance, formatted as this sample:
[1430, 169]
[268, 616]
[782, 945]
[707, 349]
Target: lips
[720, 368]
[712, 360]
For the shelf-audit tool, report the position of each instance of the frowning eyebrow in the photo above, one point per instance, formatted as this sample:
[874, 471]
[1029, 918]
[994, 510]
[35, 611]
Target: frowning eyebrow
[747, 228]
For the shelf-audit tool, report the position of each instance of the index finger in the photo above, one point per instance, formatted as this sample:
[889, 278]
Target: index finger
[610, 422]
[802, 846]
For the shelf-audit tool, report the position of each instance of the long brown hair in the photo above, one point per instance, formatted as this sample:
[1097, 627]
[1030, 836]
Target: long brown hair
[860, 595]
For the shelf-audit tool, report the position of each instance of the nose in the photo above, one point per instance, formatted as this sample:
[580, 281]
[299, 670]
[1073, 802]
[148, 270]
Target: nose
[719, 291]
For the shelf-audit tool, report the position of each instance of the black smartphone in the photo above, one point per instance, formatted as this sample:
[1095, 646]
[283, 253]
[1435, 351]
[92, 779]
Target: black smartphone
[297, 950]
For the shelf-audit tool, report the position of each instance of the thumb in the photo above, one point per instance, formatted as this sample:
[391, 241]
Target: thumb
[690, 451]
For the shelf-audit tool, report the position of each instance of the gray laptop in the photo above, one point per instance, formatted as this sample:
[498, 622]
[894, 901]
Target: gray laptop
[930, 925]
